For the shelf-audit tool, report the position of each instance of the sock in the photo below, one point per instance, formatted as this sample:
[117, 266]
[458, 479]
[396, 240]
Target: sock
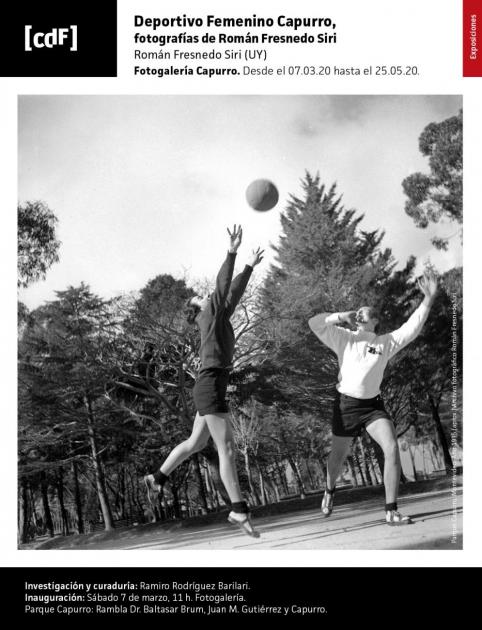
[160, 478]
[390, 506]
[241, 507]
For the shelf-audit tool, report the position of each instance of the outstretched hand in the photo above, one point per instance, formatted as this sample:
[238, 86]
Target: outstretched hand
[256, 257]
[348, 317]
[235, 238]
[428, 284]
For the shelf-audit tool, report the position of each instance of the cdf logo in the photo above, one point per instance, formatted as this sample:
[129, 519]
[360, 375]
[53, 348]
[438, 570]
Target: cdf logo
[56, 37]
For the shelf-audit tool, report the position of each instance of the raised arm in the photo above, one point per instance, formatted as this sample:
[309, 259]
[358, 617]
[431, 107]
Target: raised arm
[225, 274]
[412, 327]
[325, 328]
[240, 282]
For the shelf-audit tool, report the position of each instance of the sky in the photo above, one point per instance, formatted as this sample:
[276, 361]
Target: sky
[143, 185]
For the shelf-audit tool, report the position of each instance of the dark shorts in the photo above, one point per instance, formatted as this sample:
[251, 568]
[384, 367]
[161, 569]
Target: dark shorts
[209, 392]
[352, 415]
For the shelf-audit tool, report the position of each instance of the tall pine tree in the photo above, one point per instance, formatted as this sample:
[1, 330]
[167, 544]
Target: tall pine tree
[325, 262]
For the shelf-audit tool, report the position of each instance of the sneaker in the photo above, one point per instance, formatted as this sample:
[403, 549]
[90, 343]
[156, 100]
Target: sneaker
[153, 489]
[243, 522]
[327, 504]
[394, 518]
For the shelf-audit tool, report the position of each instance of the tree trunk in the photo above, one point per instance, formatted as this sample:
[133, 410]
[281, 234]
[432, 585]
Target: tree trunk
[137, 510]
[271, 481]
[210, 491]
[122, 492]
[436, 453]
[77, 498]
[351, 467]
[376, 470]
[60, 496]
[129, 497]
[162, 506]
[262, 488]
[424, 462]
[432, 457]
[175, 501]
[247, 467]
[358, 465]
[98, 470]
[442, 438]
[296, 472]
[379, 456]
[45, 504]
[412, 458]
[308, 470]
[322, 468]
[24, 514]
[35, 516]
[211, 488]
[129, 511]
[186, 497]
[200, 484]
[135, 492]
[282, 477]
[365, 462]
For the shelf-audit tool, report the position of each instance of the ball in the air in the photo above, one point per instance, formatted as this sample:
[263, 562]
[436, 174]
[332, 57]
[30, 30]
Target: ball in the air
[262, 195]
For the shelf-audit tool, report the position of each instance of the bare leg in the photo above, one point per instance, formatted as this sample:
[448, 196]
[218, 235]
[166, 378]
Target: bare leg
[340, 448]
[195, 442]
[383, 432]
[222, 433]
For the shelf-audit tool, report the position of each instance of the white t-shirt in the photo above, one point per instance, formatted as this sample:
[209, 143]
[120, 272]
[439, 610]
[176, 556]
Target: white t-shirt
[362, 356]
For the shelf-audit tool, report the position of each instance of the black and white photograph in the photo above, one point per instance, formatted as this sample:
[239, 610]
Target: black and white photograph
[240, 322]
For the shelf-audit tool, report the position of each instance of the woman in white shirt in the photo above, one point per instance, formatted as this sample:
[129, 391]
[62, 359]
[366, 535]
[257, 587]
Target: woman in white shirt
[362, 358]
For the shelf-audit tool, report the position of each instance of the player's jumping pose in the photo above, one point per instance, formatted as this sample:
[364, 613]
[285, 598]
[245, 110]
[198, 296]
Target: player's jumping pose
[212, 314]
[362, 358]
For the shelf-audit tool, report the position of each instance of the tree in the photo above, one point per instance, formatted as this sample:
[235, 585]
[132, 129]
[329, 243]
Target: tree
[428, 370]
[37, 242]
[438, 194]
[157, 364]
[325, 262]
[65, 362]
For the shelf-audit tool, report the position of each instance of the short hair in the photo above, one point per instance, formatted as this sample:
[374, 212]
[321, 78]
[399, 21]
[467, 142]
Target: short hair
[191, 311]
[374, 313]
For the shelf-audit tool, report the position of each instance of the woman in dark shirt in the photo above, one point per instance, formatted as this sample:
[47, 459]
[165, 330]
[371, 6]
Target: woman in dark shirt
[212, 314]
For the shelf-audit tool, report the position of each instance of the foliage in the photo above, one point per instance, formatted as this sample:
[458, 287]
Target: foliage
[438, 194]
[38, 245]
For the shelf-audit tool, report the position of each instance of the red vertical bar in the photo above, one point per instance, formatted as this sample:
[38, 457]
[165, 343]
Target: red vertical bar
[472, 38]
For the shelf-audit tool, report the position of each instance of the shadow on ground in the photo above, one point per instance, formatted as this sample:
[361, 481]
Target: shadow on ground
[366, 502]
